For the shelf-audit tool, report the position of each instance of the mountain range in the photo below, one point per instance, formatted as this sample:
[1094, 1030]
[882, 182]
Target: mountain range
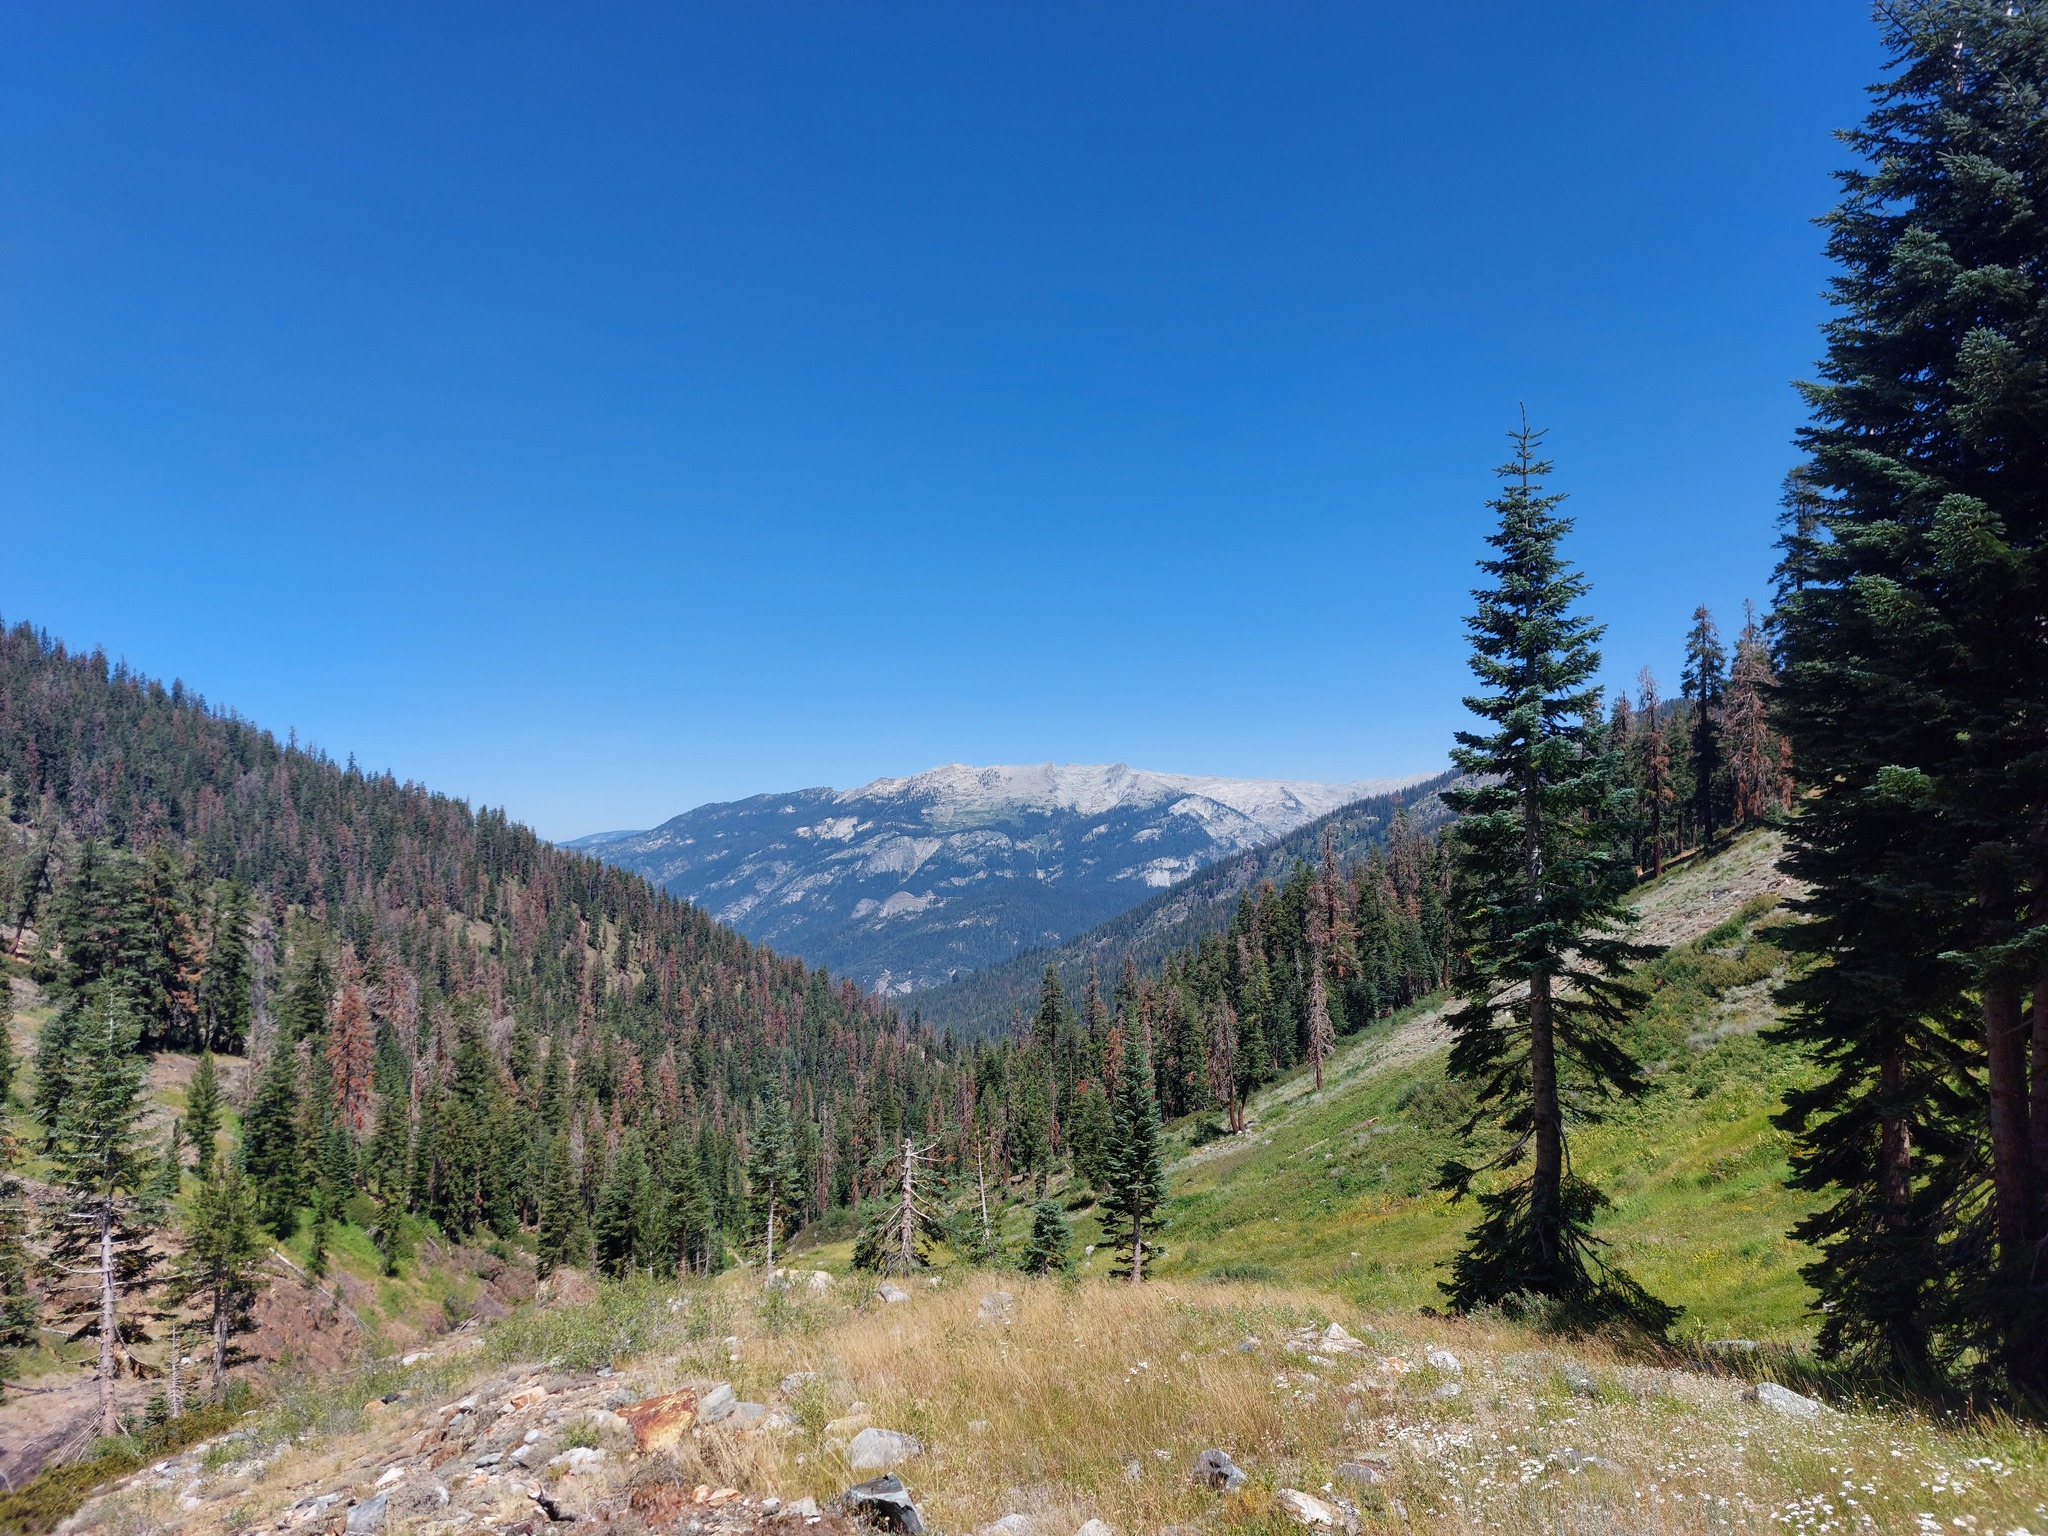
[905, 883]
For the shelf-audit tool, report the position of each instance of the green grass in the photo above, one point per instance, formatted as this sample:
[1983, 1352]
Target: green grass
[1336, 1189]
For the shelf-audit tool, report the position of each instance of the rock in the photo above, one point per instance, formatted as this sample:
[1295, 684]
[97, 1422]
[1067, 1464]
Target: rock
[841, 1430]
[1783, 1399]
[807, 1508]
[996, 1307]
[368, 1516]
[1446, 1390]
[1093, 1527]
[1008, 1525]
[877, 1450]
[1368, 1474]
[416, 1357]
[717, 1404]
[417, 1498]
[1305, 1509]
[745, 1416]
[819, 1281]
[1337, 1342]
[490, 1458]
[884, 1502]
[1443, 1359]
[1247, 1346]
[605, 1422]
[576, 1460]
[1214, 1469]
[389, 1476]
[891, 1294]
[795, 1382]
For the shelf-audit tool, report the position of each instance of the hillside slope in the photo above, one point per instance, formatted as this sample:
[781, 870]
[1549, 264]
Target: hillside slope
[904, 882]
[1045, 1406]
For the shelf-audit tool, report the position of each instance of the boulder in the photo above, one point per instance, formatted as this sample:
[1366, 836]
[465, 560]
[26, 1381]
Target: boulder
[818, 1281]
[883, 1501]
[717, 1404]
[658, 1423]
[1305, 1509]
[1443, 1359]
[996, 1307]
[804, 1507]
[1783, 1399]
[575, 1460]
[745, 1416]
[1367, 1474]
[1336, 1341]
[795, 1382]
[877, 1450]
[891, 1294]
[1008, 1525]
[1092, 1527]
[368, 1516]
[1214, 1469]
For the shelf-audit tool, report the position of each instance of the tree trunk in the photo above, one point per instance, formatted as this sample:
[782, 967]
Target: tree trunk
[1894, 1149]
[2005, 1044]
[906, 1228]
[174, 1395]
[1137, 1250]
[2037, 1107]
[220, 1339]
[1546, 1181]
[770, 1263]
[110, 1417]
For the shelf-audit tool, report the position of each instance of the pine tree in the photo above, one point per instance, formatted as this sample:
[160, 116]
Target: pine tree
[54, 1051]
[7, 1056]
[270, 1142]
[690, 1231]
[1046, 1250]
[1702, 687]
[1752, 749]
[202, 1113]
[1913, 684]
[102, 1178]
[1322, 1039]
[774, 1182]
[1136, 1169]
[1653, 770]
[220, 1258]
[894, 1239]
[1542, 871]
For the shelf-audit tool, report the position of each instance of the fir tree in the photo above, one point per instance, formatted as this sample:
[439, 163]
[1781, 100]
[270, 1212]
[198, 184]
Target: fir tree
[225, 977]
[1541, 874]
[563, 1237]
[19, 1313]
[270, 1143]
[774, 1182]
[1913, 684]
[202, 1113]
[1045, 1251]
[219, 1260]
[7, 1057]
[687, 1222]
[1135, 1177]
[1703, 685]
[619, 1231]
[102, 1179]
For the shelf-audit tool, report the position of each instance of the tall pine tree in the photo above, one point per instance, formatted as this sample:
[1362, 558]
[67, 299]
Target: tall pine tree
[1542, 870]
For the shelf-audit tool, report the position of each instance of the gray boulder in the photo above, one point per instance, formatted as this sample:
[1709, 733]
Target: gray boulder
[891, 1293]
[718, 1404]
[1214, 1469]
[877, 1450]
[1784, 1400]
[368, 1516]
[1008, 1525]
[1367, 1474]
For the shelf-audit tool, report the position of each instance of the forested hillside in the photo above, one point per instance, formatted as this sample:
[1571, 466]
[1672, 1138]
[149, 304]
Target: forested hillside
[986, 1001]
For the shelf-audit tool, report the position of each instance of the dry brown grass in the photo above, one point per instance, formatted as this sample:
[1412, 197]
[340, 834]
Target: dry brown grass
[1093, 1400]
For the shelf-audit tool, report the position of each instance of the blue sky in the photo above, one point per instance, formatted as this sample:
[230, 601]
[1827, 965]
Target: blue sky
[598, 410]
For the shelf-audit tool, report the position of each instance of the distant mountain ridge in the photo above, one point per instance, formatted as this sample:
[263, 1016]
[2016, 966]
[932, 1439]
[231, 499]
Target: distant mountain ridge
[904, 882]
[982, 1003]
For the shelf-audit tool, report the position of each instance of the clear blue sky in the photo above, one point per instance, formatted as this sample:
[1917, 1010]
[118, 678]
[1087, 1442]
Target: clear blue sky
[598, 410]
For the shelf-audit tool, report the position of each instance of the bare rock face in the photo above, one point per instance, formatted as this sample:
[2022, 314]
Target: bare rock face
[658, 1423]
[1783, 1399]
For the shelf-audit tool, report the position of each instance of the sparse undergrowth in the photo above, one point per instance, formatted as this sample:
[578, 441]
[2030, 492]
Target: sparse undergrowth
[1092, 1400]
